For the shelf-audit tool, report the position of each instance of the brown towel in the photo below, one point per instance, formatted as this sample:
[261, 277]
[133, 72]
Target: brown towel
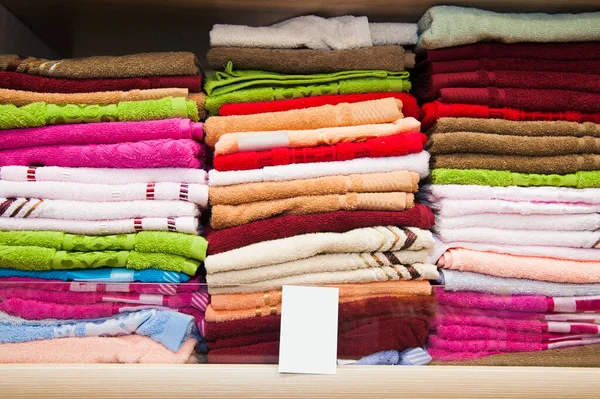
[344, 114]
[200, 99]
[560, 164]
[485, 143]
[516, 128]
[403, 181]
[104, 67]
[301, 61]
[582, 356]
[224, 216]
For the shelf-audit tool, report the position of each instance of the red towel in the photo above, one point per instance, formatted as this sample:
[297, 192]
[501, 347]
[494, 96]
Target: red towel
[379, 147]
[508, 64]
[409, 103]
[338, 222]
[23, 81]
[435, 110]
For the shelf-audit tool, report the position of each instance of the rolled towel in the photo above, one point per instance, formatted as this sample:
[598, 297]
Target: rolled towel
[581, 179]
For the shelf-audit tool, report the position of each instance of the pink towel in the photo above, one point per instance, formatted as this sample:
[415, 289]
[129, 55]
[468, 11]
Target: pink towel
[454, 312]
[100, 133]
[142, 154]
[462, 332]
[506, 323]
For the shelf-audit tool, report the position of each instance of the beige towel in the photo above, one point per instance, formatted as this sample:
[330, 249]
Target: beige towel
[224, 216]
[200, 99]
[344, 114]
[402, 181]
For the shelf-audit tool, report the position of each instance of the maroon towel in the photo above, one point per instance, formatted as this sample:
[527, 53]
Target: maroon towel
[508, 64]
[338, 222]
[524, 99]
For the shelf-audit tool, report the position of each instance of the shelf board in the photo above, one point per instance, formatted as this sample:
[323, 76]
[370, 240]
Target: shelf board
[258, 381]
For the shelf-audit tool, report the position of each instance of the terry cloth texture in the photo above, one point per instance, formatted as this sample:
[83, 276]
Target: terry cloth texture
[100, 67]
[508, 64]
[449, 26]
[344, 114]
[303, 61]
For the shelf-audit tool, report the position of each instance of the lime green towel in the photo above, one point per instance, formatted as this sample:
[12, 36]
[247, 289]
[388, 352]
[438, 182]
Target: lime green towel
[38, 258]
[186, 245]
[42, 114]
[504, 178]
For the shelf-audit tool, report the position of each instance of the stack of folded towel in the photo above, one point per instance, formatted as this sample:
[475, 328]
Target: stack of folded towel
[514, 135]
[317, 162]
[100, 198]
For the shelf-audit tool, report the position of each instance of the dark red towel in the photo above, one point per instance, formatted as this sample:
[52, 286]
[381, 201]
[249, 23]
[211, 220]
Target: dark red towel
[379, 147]
[23, 81]
[525, 99]
[435, 110]
[337, 222]
[538, 51]
[509, 64]
[409, 104]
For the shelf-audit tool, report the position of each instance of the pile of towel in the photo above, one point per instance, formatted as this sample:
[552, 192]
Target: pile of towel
[513, 123]
[100, 197]
[318, 158]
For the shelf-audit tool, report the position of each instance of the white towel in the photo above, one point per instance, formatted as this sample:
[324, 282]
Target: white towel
[196, 193]
[370, 239]
[392, 33]
[437, 192]
[453, 208]
[102, 175]
[571, 239]
[186, 225]
[35, 208]
[418, 163]
[584, 222]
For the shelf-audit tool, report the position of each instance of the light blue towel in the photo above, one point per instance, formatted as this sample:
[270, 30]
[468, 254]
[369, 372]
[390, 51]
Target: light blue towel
[407, 357]
[109, 275]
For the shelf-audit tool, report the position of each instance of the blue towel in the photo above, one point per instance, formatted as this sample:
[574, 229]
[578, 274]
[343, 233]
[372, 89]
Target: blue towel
[407, 357]
[109, 275]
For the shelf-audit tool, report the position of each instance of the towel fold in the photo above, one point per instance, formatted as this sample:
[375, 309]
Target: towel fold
[388, 146]
[287, 226]
[343, 114]
[509, 63]
[306, 61]
[102, 176]
[42, 114]
[463, 207]
[448, 26]
[400, 181]
[409, 103]
[515, 221]
[418, 163]
[34, 208]
[504, 178]
[307, 245]
[471, 302]
[263, 140]
[86, 280]
[224, 216]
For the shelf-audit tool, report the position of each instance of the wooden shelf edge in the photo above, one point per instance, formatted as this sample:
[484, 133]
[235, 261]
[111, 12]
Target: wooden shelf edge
[257, 381]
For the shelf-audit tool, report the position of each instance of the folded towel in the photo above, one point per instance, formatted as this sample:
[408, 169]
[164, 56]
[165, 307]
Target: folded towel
[90, 279]
[41, 84]
[265, 140]
[102, 176]
[512, 266]
[401, 181]
[307, 245]
[196, 193]
[287, 226]
[343, 114]
[152, 242]
[224, 216]
[34, 208]
[475, 301]
[508, 63]
[105, 133]
[558, 164]
[259, 300]
[388, 146]
[87, 350]
[455, 280]
[448, 26]
[306, 61]
[553, 222]
[42, 114]
[505, 178]
[314, 32]
[409, 103]
[463, 207]
[418, 163]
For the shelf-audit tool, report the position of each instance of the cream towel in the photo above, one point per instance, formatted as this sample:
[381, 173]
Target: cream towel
[370, 239]
[462, 207]
[581, 222]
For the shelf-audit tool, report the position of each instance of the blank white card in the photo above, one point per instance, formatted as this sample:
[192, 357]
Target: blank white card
[309, 327]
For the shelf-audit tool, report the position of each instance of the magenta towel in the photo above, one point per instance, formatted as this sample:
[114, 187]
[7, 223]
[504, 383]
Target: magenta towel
[483, 345]
[164, 153]
[537, 304]
[525, 325]
[100, 133]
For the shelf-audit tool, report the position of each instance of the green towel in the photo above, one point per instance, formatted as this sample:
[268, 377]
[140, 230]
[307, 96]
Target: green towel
[38, 258]
[42, 114]
[186, 245]
[504, 178]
